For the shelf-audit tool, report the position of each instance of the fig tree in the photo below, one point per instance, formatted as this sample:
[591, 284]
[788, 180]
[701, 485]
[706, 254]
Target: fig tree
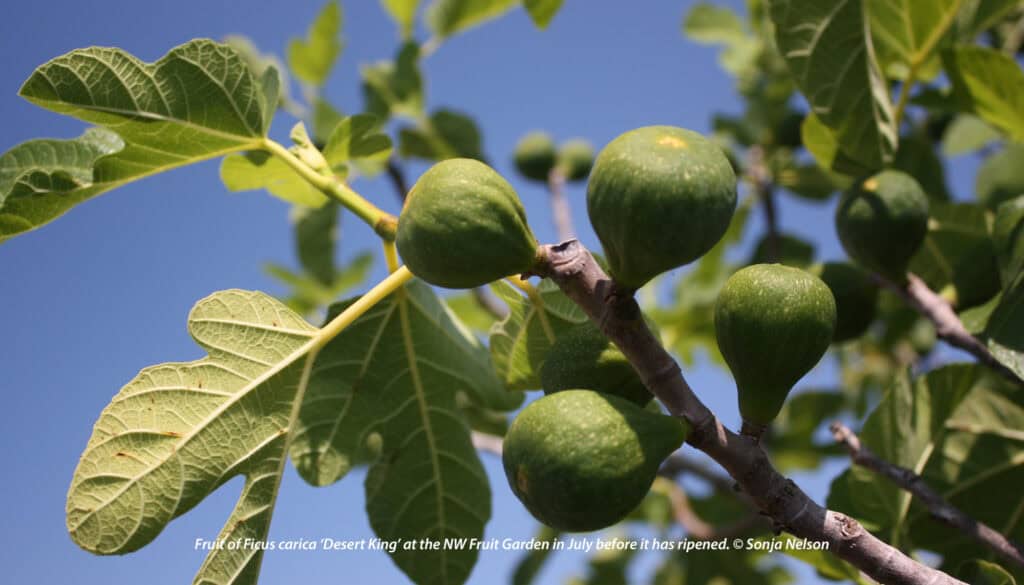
[534, 156]
[575, 158]
[882, 221]
[579, 460]
[463, 226]
[584, 358]
[773, 323]
[855, 295]
[659, 197]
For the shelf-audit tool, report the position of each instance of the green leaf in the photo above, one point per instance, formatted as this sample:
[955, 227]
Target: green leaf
[810, 182]
[977, 16]
[469, 311]
[316, 235]
[990, 84]
[793, 444]
[520, 343]
[259, 62]
[312, 58]
[966, 134]
[907, 32]
[395, 88]
[446, 134]
[1008, 239]
[823, 144]
[355, 138]
[825, 563]
[917, 158]
[447, 17]
[707, 23]
[385, 392]
[41, 179]
[404, 14]
[308, 295]
[830, 56]
[979, 572]
[178, 431]
[197, 102]
[1004, 332]
[534, 560]
[542, 11]
[918, 425]
[958, 254]
[1001, 176]
[323, 120]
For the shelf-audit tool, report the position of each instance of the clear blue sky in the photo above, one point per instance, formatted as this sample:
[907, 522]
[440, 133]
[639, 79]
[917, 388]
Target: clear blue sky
[104, 291]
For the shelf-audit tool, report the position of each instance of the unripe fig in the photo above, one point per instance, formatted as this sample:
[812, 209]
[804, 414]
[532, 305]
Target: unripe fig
[581, 461]
[882, 221]
[575, 159]
[773, 323]
[659, 197]
[463, 226]
[584, 358]
[535, 156]
[855, 295]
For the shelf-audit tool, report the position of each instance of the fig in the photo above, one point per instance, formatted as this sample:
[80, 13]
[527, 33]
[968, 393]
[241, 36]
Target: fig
[659, 197]
[575, 159]
[579, 460]
[855, 295]
[773, 323]
[882, 221]
[463, 226]
[584, 358]
[534, 156]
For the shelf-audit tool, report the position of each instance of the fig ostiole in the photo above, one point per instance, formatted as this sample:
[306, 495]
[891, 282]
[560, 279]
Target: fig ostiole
[882, 221]
[463, 226]
[659, 197]
[580, 460]
[773, 323]
[535, 156]
[584, 358]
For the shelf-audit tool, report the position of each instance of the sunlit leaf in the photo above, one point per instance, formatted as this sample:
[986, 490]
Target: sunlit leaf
[446, 134]
[967, 133]
[404, 14]
[542, 11]
[395, 88]
[907, 31]
[312, 58]
[447, 17]
[990, 84]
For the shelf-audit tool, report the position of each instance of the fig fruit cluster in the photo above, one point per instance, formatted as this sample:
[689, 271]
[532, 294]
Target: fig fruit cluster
[535, 157]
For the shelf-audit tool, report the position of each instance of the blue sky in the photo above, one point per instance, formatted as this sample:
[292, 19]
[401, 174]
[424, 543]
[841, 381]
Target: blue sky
[104, 291]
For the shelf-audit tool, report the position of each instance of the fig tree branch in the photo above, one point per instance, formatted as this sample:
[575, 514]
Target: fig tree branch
[936, 504]
[560, 211]
[572, 267]
[948, 326]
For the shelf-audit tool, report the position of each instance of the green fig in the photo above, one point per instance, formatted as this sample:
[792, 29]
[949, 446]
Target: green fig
[855, 295]
[581, 461]
[1001, 176]
[584, 358]
[659, 197]
[463, 226]
[575, 159]
[773, 323]
[534, 156]
[882, 221]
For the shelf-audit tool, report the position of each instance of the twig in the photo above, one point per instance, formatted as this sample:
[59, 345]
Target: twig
[486, 442]
[678, 464]
[760, 179]
[573, 268]
[697, 528]
[560, 212]
[936, 504]
[948, 326]
[397, 176]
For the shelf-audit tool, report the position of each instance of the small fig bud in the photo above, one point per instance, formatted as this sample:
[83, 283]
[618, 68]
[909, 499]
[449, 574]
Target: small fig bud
[463, 226]
[575, 159]
[659, 197]
[773, 323]
[584, 358]
[855, 295]
[534, 156]
[882, 221]
[581, 461]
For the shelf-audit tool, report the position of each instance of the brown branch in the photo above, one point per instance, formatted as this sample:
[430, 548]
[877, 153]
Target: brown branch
[936, 504]
[573, 268]
[948, 326]
[697, 528]
[560, 212]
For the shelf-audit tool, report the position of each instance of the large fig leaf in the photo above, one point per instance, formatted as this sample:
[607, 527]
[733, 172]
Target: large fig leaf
[197, 102]
[989, 84]
[931, 426]
[829, 52]
[180, 430]
[521, 341]
[386, 392]
[906, 33]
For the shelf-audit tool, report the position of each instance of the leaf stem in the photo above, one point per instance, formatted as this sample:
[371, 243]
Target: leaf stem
[390, 255]
[376, 294]
[538, 302]
[382, 222]
[919, 58]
